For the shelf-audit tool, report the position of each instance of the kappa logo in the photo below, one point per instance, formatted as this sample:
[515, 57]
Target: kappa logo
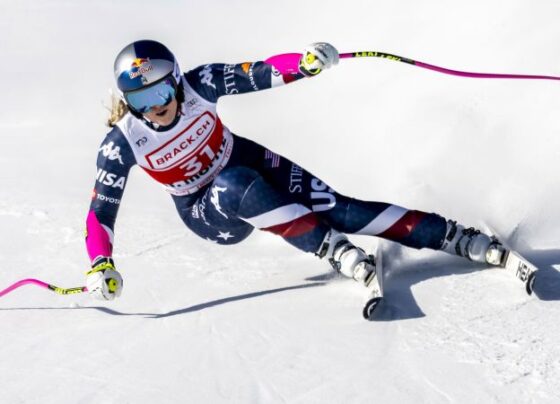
[112, 152]
[207, 76]
[215, 199]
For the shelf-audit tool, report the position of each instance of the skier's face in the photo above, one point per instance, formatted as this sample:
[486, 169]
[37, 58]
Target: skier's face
[163, 115]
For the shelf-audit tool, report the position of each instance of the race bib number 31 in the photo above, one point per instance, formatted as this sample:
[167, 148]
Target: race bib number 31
[188, 153]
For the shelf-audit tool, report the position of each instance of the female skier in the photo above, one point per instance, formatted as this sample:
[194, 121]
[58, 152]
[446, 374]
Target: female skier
[224, 185]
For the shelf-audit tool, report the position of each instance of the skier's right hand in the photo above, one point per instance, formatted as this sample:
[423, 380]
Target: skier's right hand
[104, 282]
[317, 57]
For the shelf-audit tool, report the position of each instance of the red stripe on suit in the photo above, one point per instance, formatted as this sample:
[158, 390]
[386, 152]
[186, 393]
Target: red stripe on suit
[404, 226]
[295, 228]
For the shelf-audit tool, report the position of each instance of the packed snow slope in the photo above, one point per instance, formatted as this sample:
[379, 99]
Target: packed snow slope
[261, 322]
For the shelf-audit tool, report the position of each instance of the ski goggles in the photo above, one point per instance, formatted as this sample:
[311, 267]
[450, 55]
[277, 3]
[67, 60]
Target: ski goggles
[158, 94]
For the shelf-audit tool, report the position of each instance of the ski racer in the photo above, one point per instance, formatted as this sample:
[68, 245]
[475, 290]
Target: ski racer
[224, 185]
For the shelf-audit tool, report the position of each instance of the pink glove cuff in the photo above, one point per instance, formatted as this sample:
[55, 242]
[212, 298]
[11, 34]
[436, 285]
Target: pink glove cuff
[98, 241]
[287, 63]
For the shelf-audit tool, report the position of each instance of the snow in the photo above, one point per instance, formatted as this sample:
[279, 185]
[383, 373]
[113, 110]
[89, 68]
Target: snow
[259, 322]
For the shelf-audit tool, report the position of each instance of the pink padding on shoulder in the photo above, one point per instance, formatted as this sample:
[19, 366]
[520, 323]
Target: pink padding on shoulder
[98, 242]
[286, 63]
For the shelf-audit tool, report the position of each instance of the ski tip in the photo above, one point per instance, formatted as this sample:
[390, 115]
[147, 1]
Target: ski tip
[370, 306]
[530, 282]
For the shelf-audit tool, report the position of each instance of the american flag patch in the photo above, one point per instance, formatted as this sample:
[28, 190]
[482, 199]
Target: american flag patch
[272, 160]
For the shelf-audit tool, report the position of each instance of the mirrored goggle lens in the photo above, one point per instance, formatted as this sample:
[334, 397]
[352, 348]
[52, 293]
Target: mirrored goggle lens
[144, 100]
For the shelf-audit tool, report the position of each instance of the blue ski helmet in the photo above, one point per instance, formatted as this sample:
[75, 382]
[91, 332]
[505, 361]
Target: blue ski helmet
[144, 63]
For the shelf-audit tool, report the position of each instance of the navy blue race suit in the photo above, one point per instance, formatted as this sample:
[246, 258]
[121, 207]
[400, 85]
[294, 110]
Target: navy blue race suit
[224, 185]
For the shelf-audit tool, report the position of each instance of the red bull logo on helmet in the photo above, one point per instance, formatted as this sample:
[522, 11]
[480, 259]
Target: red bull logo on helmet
[139, 62]
[140, 66]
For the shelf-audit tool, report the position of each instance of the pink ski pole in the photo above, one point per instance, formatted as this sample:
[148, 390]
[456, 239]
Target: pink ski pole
[36, 282]
[444, 70]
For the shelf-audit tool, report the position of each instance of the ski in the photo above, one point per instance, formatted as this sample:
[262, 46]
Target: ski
[375, 285]
[516, 264]
[519, 266]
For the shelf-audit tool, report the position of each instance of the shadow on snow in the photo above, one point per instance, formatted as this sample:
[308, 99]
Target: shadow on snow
[400, 276]
[186, 310]
[399, 302]
[547, 282]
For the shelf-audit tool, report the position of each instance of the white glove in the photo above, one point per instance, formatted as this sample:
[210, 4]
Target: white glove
[104, 282]
[317, 57]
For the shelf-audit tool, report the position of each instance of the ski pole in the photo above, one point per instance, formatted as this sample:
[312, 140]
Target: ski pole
[440, 69]
[36, 282]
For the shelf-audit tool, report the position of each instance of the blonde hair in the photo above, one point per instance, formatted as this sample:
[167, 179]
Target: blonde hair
[117, 111]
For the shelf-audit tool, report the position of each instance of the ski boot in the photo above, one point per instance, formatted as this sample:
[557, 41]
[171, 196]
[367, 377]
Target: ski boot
[354, 263]
[473, 245]
[479, 247]
[347, 259]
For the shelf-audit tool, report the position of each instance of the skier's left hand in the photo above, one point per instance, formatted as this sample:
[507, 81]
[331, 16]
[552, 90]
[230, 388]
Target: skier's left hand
[104, 282]
[317, 57]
